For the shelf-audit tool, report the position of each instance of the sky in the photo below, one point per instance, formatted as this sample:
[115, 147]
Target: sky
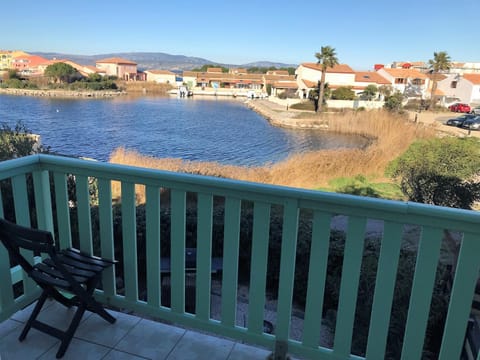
[362, 32]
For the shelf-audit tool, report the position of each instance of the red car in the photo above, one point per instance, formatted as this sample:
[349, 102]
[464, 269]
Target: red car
[460, 107]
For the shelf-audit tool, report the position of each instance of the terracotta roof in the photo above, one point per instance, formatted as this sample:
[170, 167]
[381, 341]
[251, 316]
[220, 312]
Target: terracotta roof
[370, 77]
[279, 77]
[160, 72]
[285, 84]
[339, 68]
[33, 60]
[214, 70]
[115, 60]
[278, 72]
[473, 78]
[405, 73]
[439, 92]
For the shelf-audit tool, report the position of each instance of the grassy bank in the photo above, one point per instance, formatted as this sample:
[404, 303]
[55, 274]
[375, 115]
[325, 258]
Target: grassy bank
[391, 135]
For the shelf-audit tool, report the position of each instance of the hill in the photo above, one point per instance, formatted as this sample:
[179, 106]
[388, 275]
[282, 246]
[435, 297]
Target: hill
[155, 60]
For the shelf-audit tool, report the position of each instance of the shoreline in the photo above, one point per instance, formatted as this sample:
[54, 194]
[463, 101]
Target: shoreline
[62, 93]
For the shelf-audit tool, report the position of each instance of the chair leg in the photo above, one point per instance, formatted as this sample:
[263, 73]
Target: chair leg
[68, 334]
[33, 316]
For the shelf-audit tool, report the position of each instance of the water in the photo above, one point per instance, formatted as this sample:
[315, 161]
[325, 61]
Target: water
[225, 131]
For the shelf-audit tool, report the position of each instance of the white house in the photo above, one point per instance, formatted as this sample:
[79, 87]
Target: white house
[410, 82]
[309, 74]
[161, 76]
[466, 87]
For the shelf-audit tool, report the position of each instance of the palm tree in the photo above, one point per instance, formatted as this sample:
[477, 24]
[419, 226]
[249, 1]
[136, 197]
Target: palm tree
[328, 59]
[440, 62]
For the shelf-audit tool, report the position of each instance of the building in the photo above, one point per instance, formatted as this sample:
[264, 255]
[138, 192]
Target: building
[410, 82]
[465, 87]
[28, 64]
[121, 68]
[161, 76]
[7, 56]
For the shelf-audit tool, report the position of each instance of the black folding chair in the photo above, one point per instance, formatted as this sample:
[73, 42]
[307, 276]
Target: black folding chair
[69, 270]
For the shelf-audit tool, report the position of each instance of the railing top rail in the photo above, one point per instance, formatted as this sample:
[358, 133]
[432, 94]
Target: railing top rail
[307, 198]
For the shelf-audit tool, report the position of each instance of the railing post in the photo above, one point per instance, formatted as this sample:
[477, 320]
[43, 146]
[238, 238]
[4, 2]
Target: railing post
[43, 200]
[280, 352]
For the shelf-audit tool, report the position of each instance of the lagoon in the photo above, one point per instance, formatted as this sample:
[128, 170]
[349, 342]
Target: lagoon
[220, 130]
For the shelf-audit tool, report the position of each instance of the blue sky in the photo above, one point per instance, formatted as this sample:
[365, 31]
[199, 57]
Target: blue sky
[363, 32]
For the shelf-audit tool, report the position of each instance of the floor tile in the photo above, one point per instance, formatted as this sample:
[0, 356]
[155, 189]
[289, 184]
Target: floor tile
[35, 344]
[242, 352]
[120, 355]
[78, 350]
[99, 331]
[194, 345]
[151, 339]
[8, 326]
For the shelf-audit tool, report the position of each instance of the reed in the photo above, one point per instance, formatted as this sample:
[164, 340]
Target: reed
[390, 136]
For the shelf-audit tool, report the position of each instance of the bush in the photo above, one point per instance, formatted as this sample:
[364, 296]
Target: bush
[439, 172]
[343, 93]
[393, 102]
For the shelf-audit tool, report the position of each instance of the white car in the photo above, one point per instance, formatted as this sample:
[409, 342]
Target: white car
[475, 110]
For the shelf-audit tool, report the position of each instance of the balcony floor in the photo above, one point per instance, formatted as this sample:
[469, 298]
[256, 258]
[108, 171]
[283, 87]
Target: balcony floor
[130, 337]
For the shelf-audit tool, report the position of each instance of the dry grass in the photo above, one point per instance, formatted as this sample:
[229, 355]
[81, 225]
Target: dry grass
[391, 135]
[144, 87]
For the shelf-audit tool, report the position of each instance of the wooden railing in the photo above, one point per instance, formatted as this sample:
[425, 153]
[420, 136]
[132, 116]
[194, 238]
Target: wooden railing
[285, 250]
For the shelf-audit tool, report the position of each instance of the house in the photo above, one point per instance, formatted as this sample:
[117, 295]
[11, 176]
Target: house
[418, 65]
[466, 87]
[280, 81]
[410, 82]
[121, 68]
[465, 68]
[309, 74]
[28, 64]
[366, 78]
[161, 76]
[213, 78]
[7, 56]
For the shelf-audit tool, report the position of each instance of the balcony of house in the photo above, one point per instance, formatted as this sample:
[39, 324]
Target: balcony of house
[217, 268]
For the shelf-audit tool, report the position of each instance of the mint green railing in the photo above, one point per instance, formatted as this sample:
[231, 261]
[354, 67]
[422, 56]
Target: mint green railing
[431, 222]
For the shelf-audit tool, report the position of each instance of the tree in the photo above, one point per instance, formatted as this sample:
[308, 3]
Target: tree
[394, 102]
[440, 172]
[17, 142]
[61, 72]
[440, 62]
[327, 58]
[343, 93]
[370, 92]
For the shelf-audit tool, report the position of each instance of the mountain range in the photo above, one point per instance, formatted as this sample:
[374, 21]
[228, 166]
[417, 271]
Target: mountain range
[157, 60]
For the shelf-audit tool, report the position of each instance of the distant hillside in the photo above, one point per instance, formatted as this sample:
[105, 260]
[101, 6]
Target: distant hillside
[155, 60]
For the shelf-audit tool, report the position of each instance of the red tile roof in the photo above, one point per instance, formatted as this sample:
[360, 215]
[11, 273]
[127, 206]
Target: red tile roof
[339, 68]
[473, 78]
[405, 73]
[115, 60]
[370, 77]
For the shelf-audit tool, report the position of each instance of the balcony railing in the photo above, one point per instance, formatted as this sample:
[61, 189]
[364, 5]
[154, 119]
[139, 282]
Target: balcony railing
[56, 194]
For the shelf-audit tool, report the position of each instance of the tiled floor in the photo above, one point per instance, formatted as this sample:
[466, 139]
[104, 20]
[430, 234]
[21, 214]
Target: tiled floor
[129, 338]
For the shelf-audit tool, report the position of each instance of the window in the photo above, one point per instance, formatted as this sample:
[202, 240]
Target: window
[418, 82]
[453, 84]
[400, 81]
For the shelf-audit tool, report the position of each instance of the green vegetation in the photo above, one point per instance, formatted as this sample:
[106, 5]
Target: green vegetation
[440, 172]
[360, 185]
[263, 70]
[63, 78]
[393, 102]
[17, 142]
[343, 93]
[205, 67]
[327, 58]
[370, 92]
[61, 72]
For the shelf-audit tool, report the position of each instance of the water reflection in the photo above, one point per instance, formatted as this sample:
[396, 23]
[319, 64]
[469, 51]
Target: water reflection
[217, 129]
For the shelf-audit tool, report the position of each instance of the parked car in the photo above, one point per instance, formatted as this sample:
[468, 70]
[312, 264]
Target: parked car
[472, 124]
[460, 107]
[476, 110]
[458, 121]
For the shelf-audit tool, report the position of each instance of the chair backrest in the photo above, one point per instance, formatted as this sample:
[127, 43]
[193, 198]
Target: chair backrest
[15, 237]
